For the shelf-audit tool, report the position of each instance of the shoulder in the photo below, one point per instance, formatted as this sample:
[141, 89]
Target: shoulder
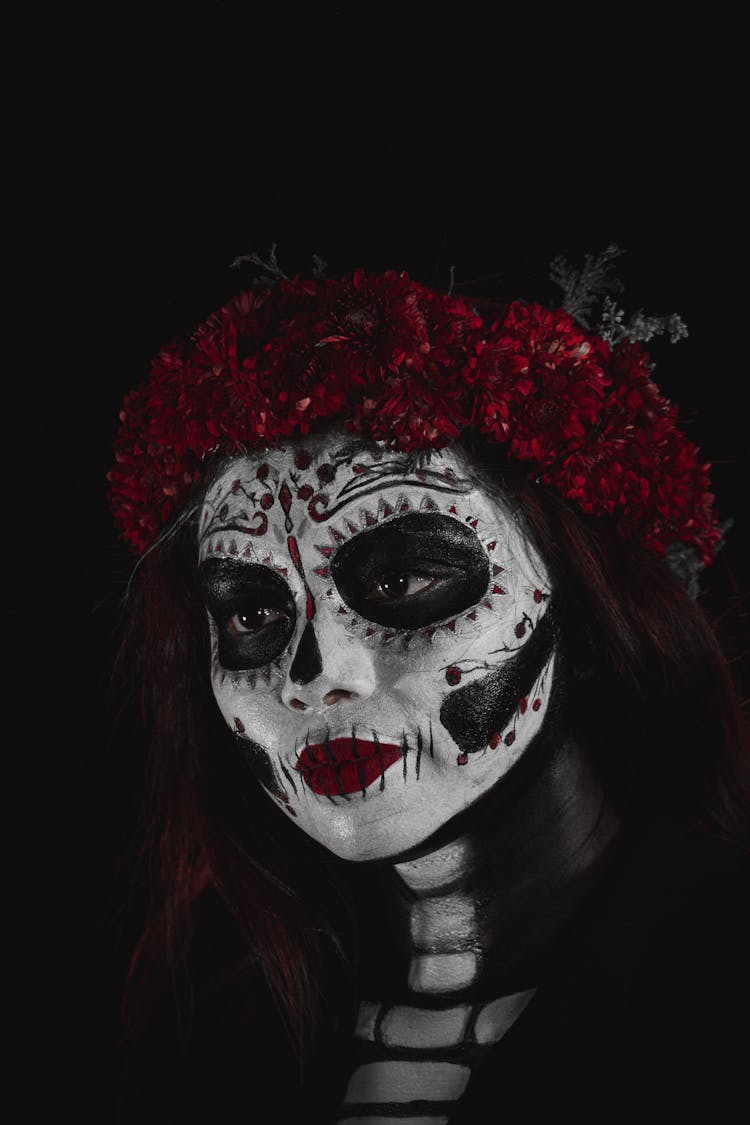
[672, 919]
[644, 1015]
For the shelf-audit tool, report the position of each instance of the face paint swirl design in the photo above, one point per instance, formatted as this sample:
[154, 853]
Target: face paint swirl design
[375, 625]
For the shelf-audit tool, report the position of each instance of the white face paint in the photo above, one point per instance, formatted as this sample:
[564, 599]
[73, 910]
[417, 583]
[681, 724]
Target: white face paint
[380, 644]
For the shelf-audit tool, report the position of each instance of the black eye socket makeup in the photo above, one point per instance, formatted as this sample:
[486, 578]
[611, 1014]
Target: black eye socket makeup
[253, 609]
[412, 571]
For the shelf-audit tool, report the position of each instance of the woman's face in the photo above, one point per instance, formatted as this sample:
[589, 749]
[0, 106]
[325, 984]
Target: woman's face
[380, 637]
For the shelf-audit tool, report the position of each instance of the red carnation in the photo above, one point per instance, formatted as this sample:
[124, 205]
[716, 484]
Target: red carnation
[638, 466]
[539, 381]
[380, 324]
[410, 367]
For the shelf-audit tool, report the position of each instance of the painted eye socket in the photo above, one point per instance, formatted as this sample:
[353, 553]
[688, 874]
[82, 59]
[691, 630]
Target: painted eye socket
[412, 571]
[253, 609]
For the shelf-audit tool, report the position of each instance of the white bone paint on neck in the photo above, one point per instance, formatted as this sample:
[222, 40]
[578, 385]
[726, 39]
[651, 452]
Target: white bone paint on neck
[443, 926]
[423, 1056]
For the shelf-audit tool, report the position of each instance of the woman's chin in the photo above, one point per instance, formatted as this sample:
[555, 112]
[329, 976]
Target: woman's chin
[361, 843]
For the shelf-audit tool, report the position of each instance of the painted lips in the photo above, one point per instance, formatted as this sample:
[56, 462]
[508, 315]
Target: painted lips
[343, 765]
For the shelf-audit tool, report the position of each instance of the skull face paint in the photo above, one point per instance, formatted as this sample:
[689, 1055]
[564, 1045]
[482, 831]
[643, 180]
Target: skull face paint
[381, 635]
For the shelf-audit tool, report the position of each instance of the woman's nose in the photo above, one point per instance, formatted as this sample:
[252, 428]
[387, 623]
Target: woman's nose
[326, 669]
[328, 700]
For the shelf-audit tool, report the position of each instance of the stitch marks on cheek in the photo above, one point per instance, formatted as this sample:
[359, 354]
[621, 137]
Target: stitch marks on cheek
[259, 761]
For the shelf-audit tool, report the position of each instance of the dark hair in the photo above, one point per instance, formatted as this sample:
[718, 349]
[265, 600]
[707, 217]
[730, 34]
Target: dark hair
[652, 698]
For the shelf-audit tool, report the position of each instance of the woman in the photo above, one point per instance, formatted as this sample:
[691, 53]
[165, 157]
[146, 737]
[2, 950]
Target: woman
[446, 817]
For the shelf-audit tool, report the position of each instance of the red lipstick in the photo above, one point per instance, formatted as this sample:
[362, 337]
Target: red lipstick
[343, 765]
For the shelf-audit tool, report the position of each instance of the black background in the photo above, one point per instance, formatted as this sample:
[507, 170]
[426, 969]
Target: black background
[152, 145]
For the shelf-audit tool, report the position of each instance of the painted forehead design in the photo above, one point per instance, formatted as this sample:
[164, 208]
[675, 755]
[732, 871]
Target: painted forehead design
[272, 511]
[252, 494]
[343, 490]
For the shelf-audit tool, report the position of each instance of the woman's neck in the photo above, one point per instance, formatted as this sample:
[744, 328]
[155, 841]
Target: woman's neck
[476, 912]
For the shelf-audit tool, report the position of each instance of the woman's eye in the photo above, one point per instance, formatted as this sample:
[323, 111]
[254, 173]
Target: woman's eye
[401, 585]
[412, 571]
[253, 620]
[253, 611]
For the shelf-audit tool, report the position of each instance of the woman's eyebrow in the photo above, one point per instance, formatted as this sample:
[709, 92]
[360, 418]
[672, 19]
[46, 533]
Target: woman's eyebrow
[380, 478]
[419, 535]
[224, 577]
[401, 473]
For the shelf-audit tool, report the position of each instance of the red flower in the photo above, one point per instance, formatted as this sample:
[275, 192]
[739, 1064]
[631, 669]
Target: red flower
[392, 359]
[539, 381]
[638, 466]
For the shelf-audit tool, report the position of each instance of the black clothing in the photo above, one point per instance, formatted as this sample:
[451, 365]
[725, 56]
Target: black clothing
[642, 1015]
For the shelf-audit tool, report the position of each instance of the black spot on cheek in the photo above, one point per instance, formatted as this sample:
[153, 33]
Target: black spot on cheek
[259, 761]
[472, 714]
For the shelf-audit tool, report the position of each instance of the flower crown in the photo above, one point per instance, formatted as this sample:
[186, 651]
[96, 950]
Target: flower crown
[393, 360]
